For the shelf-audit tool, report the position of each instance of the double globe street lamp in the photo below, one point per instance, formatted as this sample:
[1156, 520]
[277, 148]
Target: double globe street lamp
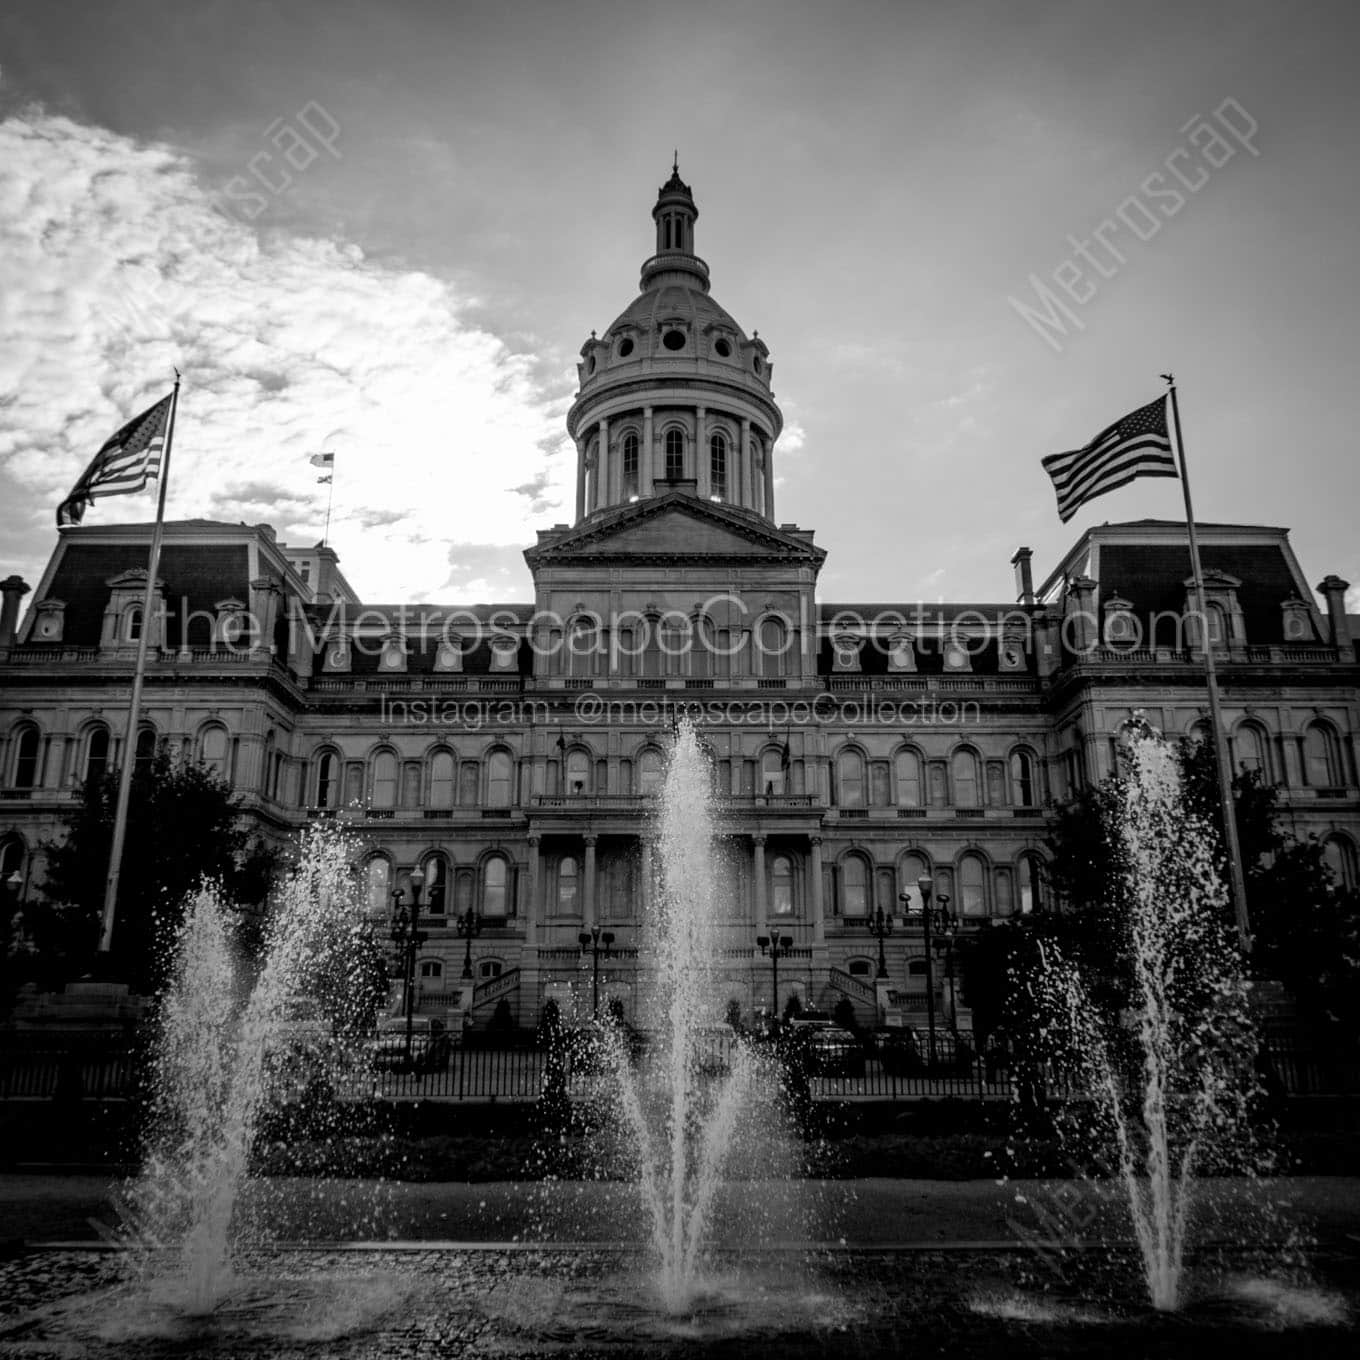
[408, 937]
[936, 919]
[777, 947]
[598, 942]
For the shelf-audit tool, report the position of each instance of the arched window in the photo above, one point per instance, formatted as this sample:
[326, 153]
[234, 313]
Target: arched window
[757, 476]
[490, 968]
[327, 779]
[1252, 749]
[854, 886]
[441, 780]
[1024, 791]
[431, 970]
[630, 465]
[495, 887]
[773, 768]
[96, 754]
[675, 455]
[499, 779]
[781, 886]
[850, 779]
[1340, 859]
[11, 864]
[717, 465]
[620, 890]
[384, 794]
[972, 879]
[578, 771]
[1002, 893]
[1322, 757]
[1217, 622]
[964, 768]
[650, 771]
[1031, 884]
[212, 749]
[379, 876]
[436, 884]
[469, 789]
[907, 771]
[146, 751]
[775, 647]
[912, 869]
[568, 886]
[133, 624]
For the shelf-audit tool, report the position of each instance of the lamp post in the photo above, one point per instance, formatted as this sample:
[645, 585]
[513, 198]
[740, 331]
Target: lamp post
[593, 939]
[880, 923]
[408, 937]
[932, 918]
[777, 947]
[467, 925]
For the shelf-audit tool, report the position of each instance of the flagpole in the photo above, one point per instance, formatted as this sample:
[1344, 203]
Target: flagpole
[135, 704]
[1239, 888]
[330, 496]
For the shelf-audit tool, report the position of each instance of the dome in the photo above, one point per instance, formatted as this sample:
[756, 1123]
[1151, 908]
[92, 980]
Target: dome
[674, 393]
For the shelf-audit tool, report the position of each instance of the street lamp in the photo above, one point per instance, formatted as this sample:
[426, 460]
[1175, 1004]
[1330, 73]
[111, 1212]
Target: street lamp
[880, 923]
[777, 947]
[941, 919]
[593, 939]
[408, 937]
[467, 925]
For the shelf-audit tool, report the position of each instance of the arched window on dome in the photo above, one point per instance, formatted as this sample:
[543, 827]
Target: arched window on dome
[757, 465]
[630, 465]
[675, 455]
[717, 465]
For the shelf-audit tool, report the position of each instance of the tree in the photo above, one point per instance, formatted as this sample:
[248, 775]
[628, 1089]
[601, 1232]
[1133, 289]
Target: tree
[1306, 927]
[183, 828]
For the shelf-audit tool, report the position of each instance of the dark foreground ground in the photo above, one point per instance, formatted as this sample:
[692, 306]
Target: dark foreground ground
[592, 1302]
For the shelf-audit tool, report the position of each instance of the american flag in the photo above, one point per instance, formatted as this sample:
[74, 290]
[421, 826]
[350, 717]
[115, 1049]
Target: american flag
[1136, 446]
[125, 463]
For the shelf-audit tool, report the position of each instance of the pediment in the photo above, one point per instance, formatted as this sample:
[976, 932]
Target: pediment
[673, 527]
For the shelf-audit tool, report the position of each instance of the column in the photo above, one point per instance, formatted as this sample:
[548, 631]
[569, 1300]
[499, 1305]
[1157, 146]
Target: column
[531, 890]
[758, 855]
[608, 494]
[580, 480]
[588, 901]
[815, 868]
[748, 485]
[646, 875]
[769, 478]
[701, 452]
[647, 455]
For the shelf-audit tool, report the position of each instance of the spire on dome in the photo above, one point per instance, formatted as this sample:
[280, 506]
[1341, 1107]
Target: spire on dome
[675, 214]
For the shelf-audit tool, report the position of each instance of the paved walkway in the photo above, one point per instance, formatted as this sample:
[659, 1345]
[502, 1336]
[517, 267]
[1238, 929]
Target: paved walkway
[45, 1208]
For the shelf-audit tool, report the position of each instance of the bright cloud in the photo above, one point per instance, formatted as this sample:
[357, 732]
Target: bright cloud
[115, 267]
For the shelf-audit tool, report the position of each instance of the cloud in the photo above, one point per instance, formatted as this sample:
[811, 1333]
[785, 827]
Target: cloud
[116, 266]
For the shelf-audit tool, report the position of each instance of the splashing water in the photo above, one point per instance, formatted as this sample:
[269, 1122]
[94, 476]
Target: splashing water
[684, 1139]
[1172, 1091]
[215, 1071]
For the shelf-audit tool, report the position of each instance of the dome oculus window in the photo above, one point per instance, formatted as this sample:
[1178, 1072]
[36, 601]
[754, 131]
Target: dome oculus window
[590, 364]
[625, 348]
[722, 349]
[673, 340]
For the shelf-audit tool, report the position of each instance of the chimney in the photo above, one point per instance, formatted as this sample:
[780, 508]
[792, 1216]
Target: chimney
[13, 588]
[1332, 588]
[1024, 581]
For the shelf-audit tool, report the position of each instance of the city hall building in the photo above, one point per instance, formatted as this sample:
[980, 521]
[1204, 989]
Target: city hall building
[512, 752]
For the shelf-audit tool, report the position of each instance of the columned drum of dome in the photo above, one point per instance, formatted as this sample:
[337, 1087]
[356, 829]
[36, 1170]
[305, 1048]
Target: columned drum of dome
[674, 395]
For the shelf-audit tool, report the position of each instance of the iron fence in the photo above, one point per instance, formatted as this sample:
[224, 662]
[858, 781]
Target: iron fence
[39, 1069]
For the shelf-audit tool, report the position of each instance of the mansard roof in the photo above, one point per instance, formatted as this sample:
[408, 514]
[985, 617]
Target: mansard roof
[675, 526]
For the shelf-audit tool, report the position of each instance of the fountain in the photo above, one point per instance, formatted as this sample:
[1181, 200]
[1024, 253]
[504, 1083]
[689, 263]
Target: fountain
[221, 1059]
[686, 1137]
[1172, 1079]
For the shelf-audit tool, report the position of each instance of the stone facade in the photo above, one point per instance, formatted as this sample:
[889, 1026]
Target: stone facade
[511, 752]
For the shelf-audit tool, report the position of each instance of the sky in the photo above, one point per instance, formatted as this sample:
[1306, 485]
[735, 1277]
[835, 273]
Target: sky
[971, 234]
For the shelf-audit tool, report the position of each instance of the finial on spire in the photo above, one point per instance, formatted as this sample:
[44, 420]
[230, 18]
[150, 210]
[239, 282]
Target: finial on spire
[675, 162]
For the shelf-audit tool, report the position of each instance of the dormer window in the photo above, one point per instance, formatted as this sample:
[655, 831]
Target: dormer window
[673, 340]
[625, 347]
[722, 348]
[133, 631]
